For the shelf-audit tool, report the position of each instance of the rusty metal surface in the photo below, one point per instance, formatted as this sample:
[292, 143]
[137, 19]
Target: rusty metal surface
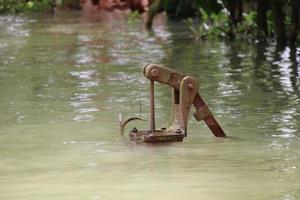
[201, 113]
[210, 120]
[163, 75]
[157, 136]
[185, 94]
[188, 91]
[152, 107]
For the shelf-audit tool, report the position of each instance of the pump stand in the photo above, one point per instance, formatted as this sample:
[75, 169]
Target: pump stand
[184, 95]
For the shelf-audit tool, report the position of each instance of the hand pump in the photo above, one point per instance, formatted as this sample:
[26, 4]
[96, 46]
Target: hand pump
[185, 94]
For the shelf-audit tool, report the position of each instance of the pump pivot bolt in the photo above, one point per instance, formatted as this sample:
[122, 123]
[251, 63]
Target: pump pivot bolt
[178, 131]
[134, 130]
[154, 72]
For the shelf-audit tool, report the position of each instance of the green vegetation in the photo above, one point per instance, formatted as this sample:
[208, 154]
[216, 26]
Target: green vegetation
[19, 6]
[217, 25]
[133, 16]
[209, 25]
[235, 19]
[206, 19]
[13, 6]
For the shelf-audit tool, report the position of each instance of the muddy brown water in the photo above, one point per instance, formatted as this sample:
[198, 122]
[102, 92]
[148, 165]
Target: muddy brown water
[64, 81]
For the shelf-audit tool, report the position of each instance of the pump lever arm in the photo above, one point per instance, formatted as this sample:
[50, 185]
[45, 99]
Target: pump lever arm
[203, 113]
[163, 75]
[180, 83]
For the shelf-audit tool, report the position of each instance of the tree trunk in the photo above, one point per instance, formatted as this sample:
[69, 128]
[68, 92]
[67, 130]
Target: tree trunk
[235, 8]
[279, 22]
[95, 2]
[180, 9]
[295, 25]
[155, 8]
[262, 9]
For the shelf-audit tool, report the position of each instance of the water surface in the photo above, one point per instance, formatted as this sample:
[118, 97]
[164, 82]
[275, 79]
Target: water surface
[64, 81]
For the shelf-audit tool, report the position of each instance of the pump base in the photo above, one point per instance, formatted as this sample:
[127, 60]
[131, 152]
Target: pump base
[158, 136]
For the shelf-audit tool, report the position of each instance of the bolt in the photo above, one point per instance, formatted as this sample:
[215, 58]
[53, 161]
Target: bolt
[178, 131]
[134, 130]
[154, 72]
[190, 85]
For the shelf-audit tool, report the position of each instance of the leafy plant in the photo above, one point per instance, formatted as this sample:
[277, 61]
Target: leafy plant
[217, 25]
[247, 29]
[207, 25]
[133, 16]
[16, 6]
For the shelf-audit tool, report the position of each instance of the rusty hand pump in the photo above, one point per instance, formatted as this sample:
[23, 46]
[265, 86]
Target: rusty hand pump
[185, 94]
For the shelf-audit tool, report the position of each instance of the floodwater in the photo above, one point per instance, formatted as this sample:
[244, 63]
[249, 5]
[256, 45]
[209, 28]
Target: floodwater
[64, 81]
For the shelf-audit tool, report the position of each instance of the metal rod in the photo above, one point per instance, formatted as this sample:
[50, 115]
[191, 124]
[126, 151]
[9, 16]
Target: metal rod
[152, 109]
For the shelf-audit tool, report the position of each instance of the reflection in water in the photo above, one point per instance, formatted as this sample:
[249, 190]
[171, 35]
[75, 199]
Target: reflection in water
[286, 118]
[82, 102]
[123, 46]
[294, 74]
[15, 26]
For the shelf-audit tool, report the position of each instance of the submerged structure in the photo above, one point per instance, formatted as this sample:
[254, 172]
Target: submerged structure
[184, 95]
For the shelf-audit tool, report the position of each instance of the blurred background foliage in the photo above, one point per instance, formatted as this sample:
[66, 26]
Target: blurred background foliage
[206, 19]
[17, 6]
